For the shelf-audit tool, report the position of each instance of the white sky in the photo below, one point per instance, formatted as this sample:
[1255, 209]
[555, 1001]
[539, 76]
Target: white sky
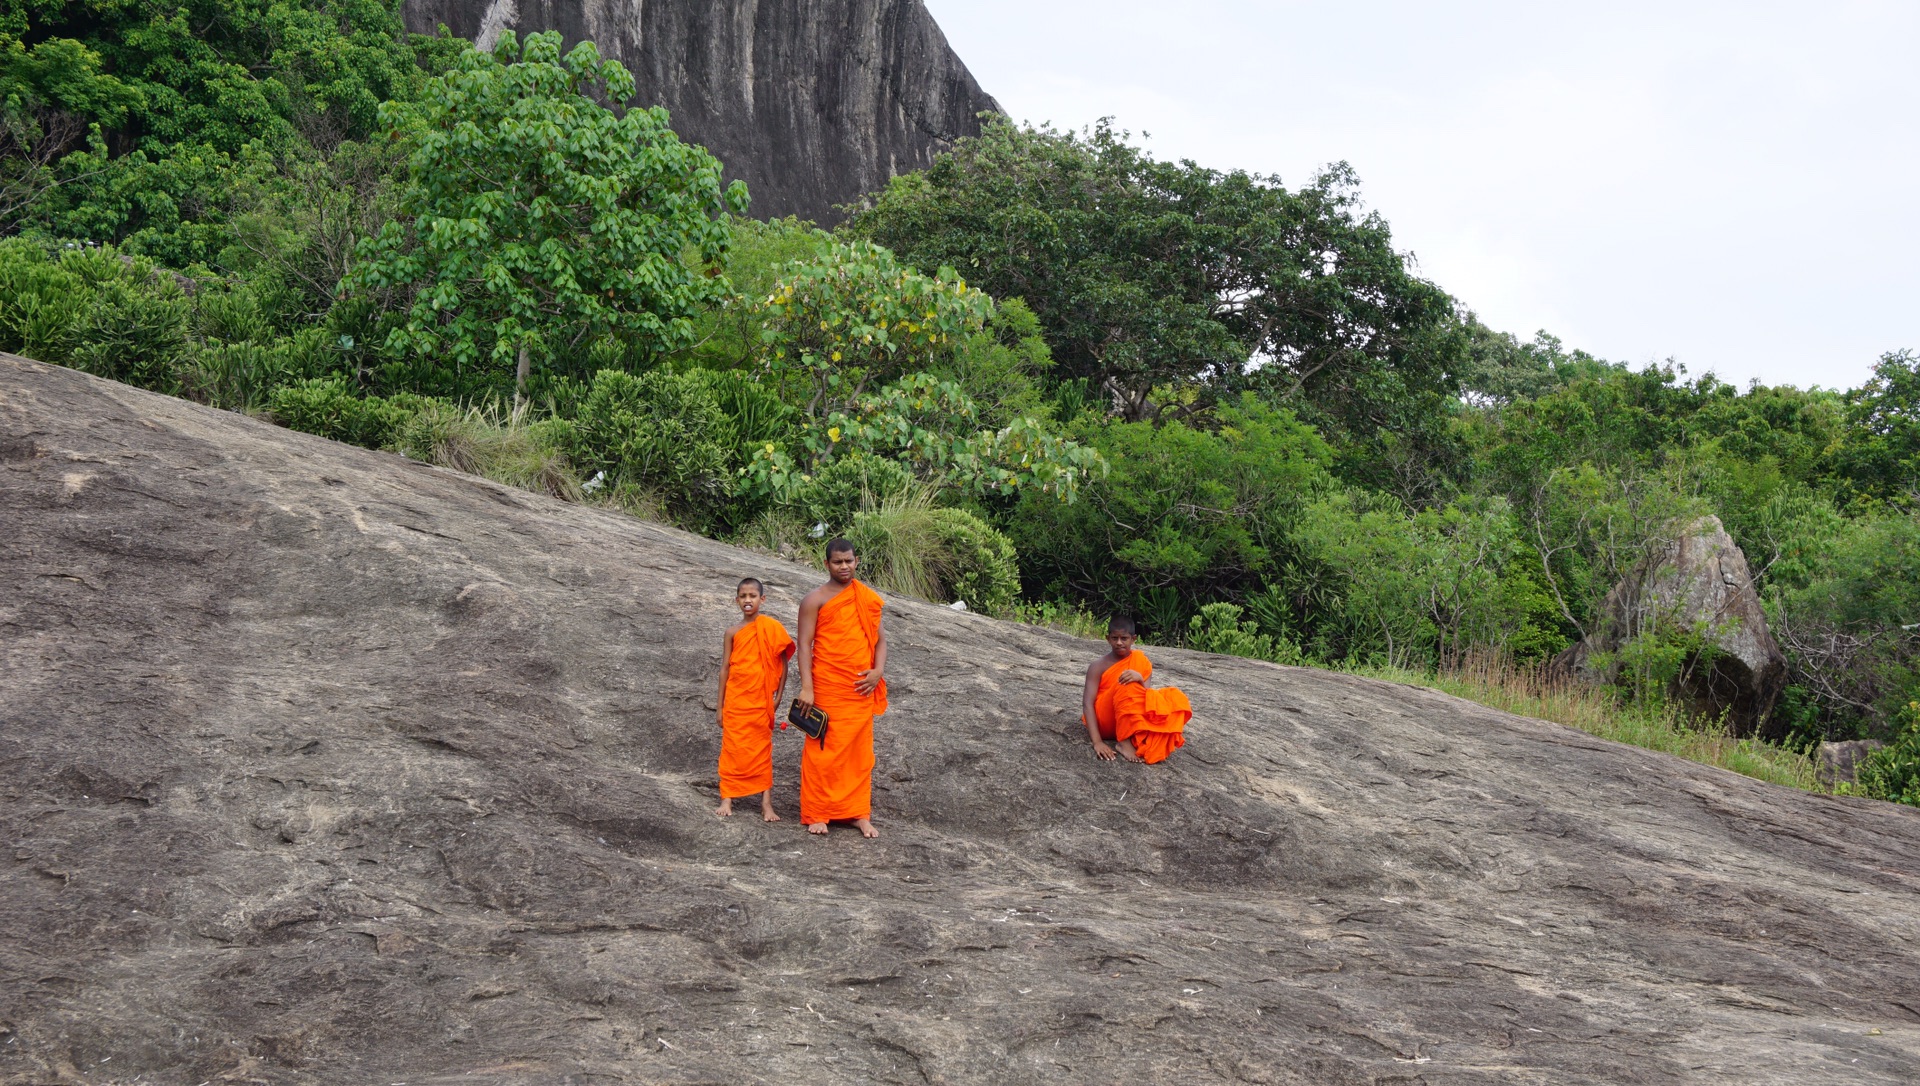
[1734, 185]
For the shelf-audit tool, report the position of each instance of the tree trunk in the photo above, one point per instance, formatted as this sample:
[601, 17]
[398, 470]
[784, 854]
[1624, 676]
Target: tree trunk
[520, 376]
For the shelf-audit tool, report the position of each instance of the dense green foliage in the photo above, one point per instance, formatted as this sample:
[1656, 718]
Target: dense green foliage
[1167, 286]
[536, 223]
[1046, 376]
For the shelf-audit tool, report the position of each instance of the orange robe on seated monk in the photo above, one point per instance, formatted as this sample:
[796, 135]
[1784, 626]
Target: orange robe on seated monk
[1155, 719]
[836, 779]
[759, 661]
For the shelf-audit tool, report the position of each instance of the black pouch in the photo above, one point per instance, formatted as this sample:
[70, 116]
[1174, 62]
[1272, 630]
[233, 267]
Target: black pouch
[810, 719]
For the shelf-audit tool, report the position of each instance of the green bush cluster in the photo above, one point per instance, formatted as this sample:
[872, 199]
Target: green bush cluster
[330, 407]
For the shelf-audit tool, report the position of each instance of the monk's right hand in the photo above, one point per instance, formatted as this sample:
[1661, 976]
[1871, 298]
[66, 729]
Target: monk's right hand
[1103, 752]
[1130, 676]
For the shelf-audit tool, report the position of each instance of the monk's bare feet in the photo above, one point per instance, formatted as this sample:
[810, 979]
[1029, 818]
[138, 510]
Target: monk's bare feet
[1127, 752]
[766, 810]
[866, 828]
[725, 810]
[817, 827]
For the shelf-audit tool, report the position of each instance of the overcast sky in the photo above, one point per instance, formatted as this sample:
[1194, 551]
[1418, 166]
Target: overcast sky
[1733, 185]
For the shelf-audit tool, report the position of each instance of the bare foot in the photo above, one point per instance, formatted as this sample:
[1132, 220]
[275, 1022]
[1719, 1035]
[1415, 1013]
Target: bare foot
[725, 810]
[766, 811]
[866, 828]
[1127, 752]
[817, 827]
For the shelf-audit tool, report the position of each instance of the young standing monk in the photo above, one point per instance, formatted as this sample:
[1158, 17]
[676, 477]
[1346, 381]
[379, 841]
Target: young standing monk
[753, 678]
[843, 661]
[1117, 703]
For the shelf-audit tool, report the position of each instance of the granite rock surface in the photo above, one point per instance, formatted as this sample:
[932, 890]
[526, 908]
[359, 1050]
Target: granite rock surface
[813, 103]
[318, 765]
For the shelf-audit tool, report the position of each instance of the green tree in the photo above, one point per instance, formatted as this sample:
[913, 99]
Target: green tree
[52, 97]
[219, 89]
[1186, 515]
[535, 219]
[1880, 458]
[856, 317]
[1164, 285]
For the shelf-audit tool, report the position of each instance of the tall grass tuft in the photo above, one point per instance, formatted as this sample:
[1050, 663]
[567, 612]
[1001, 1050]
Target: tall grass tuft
[1065, 617]
[495, 442]
[1494, 680]
[899, 542]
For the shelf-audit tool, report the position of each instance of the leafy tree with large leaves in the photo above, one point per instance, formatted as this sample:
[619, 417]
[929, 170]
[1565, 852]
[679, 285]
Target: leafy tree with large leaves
[1164, 285]
[534, 218]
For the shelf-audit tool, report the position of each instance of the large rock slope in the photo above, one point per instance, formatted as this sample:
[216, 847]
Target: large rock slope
[812, 102]
[318, 765]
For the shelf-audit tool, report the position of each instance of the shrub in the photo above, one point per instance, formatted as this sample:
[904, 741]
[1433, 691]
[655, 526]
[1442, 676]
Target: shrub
[117, 318]
[238, 376]
[135, 332]
[910, 546]
[982, 567]
[659, 431]
[1186, 514]
[1218, 628]
[845, 486]
[329, 407]
[1893, 771]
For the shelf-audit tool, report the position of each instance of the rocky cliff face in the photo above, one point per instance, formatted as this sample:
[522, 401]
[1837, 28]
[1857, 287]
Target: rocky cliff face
[811, 102]
[322, 766]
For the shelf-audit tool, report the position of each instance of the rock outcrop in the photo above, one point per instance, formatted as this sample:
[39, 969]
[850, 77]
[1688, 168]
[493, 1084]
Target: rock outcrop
[1839, 762]
[1700, 582]
[812, 102]
[318, 765]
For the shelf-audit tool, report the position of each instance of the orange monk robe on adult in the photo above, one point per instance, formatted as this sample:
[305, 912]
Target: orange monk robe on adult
[1155, 719]
[836, 778]
[761, 650]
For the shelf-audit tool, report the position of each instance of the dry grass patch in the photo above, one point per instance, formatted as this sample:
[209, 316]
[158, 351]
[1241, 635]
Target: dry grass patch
[1497, 682]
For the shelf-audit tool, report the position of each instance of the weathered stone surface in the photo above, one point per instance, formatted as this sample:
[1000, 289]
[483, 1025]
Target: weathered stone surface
[812, 102]
[320, 766]
[1701, 580]
[1840, 762]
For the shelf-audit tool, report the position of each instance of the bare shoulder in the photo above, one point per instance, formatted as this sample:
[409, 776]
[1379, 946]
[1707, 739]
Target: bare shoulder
[818, 596]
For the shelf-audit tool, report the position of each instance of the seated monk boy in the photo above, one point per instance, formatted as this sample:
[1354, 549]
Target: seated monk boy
[1118, 704]
[843, 662]
[753, 678]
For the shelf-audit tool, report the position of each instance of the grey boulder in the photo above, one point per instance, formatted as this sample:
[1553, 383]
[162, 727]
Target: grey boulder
[1700, 581]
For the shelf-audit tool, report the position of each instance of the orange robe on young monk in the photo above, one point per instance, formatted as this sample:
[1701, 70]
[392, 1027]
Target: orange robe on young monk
[836, 779]
[760, 653]
[1155, 719]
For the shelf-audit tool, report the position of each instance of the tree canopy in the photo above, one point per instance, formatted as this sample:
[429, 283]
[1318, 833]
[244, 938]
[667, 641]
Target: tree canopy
[534, 218]
[1166, 286]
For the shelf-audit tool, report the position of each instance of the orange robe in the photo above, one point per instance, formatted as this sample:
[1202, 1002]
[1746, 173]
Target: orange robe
[1155, 719]
[836, 779]
[759, 661]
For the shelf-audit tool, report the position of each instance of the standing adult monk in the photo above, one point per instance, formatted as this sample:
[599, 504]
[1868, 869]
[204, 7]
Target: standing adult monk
[843, 662]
